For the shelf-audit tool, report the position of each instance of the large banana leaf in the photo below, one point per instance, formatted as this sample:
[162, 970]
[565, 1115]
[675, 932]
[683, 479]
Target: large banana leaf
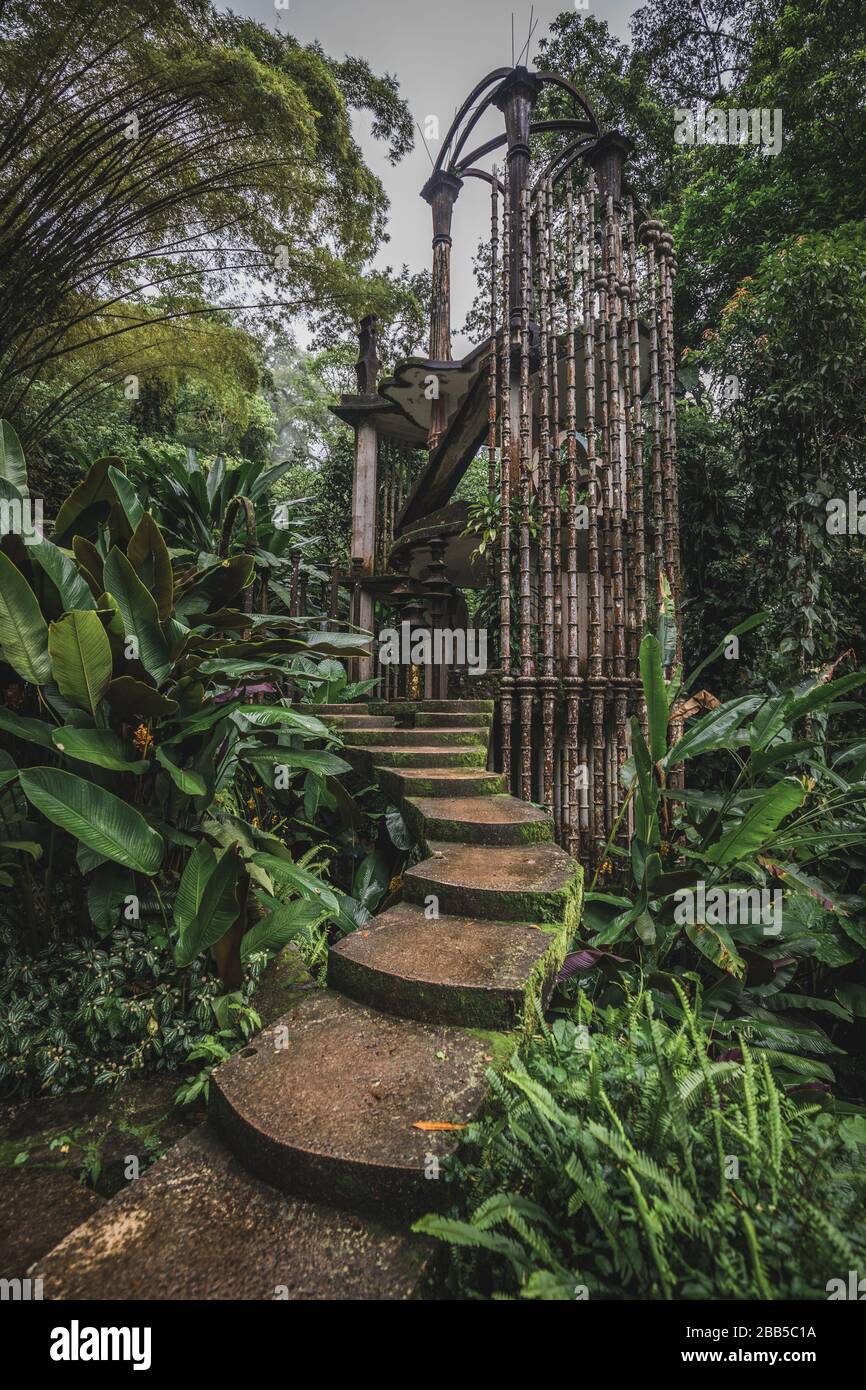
[197, 871]
[185, 779]
[310, 760]
[139, 612]
[148, 554]
[63, 573]
[652, 675]
[102, 822]
[132, 699]
[713, 731]
[281, 926]
[758, 824]
[303, 882]
[31, 730]
[23, 630]
[217, 910]
[101, 747]
[80, 659]
[88, 503]
[12, 466]
[268, 715]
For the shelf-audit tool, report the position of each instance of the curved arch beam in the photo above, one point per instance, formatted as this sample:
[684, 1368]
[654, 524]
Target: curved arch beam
[497, 76]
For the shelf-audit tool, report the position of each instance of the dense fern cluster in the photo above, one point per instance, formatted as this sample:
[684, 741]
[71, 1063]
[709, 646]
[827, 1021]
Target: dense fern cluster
[618, 1160]
[82, 1014]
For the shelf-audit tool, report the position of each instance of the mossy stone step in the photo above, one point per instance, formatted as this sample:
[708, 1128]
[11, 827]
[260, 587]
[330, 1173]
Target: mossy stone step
[409, 738]
[462, 970]
[348, 708]
[432, 781]
[325, 1103]
[478, 820]
[459, 719]
[533, 883]
[408, 709]
[345, 723]
[196, 1226]
[470, 756]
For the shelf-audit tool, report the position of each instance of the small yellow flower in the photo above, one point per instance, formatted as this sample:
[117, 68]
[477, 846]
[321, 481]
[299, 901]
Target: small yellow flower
[143, 739]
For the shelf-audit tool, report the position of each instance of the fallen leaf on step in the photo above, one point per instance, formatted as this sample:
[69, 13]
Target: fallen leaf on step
[427, 1125]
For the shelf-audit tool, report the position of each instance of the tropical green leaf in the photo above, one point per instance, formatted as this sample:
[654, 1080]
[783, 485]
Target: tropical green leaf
[101, 747]
[197, 870]
[63, 573]
[31, 730]
[23, 630]
[139, 613]
[132, 699]
[80, 659]
[217, 910]
[283, 924]
[655, 693]
[751, 833]
[103, 823]
[12, 466]
[148, 554]
[184, 778]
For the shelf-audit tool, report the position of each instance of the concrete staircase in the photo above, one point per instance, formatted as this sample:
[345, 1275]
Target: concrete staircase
[353, 1099]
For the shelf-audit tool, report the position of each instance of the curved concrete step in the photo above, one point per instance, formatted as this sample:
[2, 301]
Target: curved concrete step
[431, 781]
[426, 757]
[388, 736]
[460, 719]
[462, 970]
[344, 723]
[325, 1103]
[196, 1226]
[358, 707]
[479, 820]
[535, 883]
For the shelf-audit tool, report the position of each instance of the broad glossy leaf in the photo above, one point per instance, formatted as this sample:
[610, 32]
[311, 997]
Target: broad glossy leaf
[187, 781]
[148, 554]
[63, 573]
[132, 699]
[12, 466]
[758, 824]
[217, 910]
[126, 496]
[282, 926]
[31, 730]
[86, 503]
[139, 613]
[107, 891]
[23, 630]
[712, 731]
[306, 884]
[266, 716]
[198, 869]
[100, 747]
[104, 824]
[80, 659]
[655, 694]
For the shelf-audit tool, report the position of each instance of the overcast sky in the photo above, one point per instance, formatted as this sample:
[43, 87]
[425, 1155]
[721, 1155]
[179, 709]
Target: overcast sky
[438, 50]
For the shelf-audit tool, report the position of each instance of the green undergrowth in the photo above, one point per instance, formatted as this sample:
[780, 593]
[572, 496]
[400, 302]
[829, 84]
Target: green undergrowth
[615, 1159]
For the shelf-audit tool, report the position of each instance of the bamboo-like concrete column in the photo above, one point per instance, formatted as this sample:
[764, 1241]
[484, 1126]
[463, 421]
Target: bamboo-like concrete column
[506, 688]
[571, 674]
[595, 506]
[440, 192]
[547, 679]
[526, 679]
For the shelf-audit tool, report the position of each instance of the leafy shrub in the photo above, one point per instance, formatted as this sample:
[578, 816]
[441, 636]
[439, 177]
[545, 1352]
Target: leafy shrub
[143, 666]
[92, 1013]
[617, 1160]
[784, 817]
